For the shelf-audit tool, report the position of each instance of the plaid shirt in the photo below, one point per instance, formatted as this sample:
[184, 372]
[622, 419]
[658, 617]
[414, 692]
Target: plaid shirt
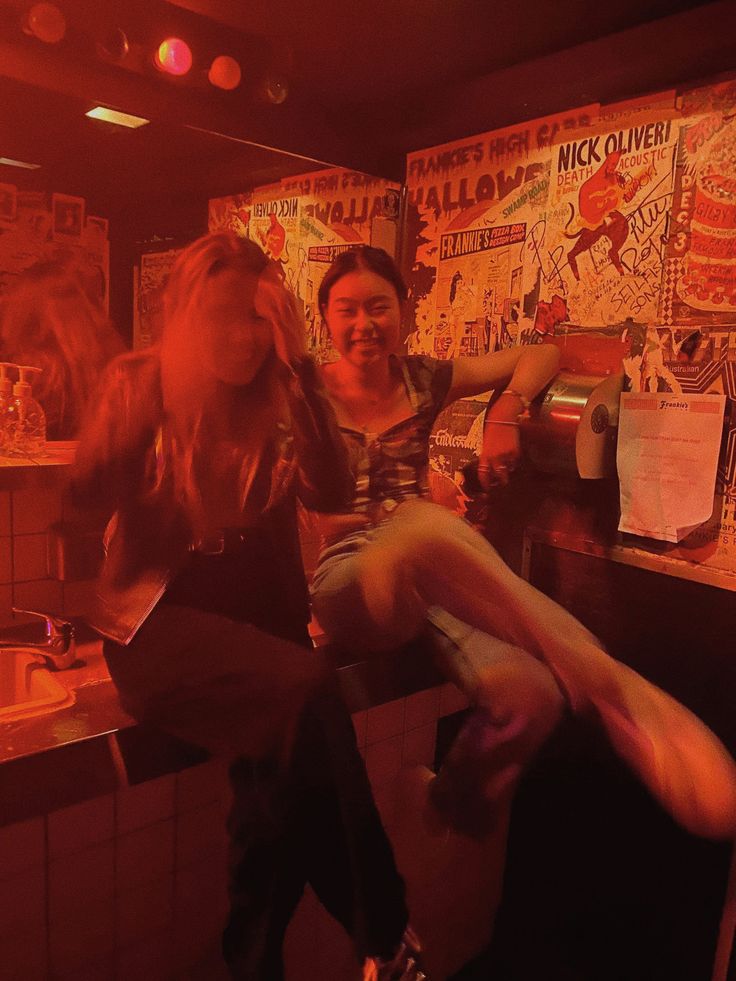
[392, 465]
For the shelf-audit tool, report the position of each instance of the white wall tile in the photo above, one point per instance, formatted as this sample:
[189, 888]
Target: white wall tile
[41, 594]
[22, 846]
[35, 509]
[29, 557]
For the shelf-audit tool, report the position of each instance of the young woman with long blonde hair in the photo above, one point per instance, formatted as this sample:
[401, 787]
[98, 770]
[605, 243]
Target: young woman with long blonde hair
[199, 448]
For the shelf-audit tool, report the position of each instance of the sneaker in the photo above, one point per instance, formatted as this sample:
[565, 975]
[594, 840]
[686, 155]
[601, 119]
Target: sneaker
[403, 966]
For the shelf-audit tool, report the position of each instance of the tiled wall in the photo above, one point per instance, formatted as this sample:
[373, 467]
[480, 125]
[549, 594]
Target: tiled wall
[123, 886]
[133, 884]
[25, 516]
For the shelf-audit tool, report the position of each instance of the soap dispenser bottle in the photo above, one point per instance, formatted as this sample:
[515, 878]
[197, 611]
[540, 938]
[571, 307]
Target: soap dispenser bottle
[26, 419]
[6, 397]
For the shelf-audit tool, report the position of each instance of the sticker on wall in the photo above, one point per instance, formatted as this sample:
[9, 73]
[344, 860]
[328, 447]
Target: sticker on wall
[67, 217]
[231, 213]
[456, 441]
[149, 280]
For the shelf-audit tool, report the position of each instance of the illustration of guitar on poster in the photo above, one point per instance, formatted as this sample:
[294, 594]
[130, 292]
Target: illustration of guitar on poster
[606, 222]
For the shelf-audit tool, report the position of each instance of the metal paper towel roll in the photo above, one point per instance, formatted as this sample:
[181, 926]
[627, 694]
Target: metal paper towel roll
[572, 426]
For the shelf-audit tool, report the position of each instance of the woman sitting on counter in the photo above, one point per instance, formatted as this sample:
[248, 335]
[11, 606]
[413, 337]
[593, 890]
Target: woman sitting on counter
[396, 565]
[199, 448]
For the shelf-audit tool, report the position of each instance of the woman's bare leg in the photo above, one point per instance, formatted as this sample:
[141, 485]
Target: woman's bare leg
[517, 704]
[433, 557]
[516, 700]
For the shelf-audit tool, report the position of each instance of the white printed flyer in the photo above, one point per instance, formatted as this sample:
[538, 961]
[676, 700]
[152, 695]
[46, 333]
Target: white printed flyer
[667, 459]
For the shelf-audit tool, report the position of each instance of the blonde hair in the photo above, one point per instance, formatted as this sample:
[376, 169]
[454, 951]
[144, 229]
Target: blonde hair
[198, 409]
[50, 318]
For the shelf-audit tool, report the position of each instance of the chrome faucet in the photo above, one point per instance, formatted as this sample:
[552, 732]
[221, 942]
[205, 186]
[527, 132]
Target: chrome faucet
[58, 650]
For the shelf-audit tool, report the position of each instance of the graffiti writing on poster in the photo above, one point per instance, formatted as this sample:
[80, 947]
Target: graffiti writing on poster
[607, 221]
[339, 197]
[327, 253]
[459, 177]
[480, 240]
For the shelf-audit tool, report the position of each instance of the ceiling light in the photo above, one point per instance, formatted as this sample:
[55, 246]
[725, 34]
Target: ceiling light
[225, 73]
[118, 118]
[46, 22]
[114, 47]
[173, 56]
[8, 162]
[275, 89]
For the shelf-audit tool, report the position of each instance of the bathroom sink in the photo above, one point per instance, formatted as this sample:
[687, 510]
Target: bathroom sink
[27, 688]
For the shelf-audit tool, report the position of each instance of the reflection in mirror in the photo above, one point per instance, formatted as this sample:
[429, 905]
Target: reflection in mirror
[105, 208]
[53, 317]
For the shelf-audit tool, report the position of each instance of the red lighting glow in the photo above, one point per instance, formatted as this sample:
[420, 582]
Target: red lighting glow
[225, 73]
[46, 22]
[174, 56]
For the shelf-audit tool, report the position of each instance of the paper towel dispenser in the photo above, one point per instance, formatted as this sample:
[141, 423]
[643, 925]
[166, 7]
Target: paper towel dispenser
[573, 424]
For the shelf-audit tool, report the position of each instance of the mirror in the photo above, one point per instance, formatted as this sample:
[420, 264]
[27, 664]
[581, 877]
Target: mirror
[94, 183]
[120, 201]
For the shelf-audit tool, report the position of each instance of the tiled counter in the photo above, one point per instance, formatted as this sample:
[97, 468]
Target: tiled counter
[112, 837]
[112, 840]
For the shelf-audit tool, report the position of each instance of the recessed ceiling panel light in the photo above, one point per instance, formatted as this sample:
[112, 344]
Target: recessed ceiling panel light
[8, 162]
[118, 118]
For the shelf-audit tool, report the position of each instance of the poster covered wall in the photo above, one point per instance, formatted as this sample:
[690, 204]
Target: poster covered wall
[611, 230]
[700, 283]
[303, 222]
[473, 207]
[606, 224]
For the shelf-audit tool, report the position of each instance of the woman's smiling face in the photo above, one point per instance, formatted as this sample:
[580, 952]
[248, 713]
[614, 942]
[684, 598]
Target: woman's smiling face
[363, 315]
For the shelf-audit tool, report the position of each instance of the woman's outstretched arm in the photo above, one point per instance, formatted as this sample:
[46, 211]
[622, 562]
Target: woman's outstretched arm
[525, 369]
[522, 372]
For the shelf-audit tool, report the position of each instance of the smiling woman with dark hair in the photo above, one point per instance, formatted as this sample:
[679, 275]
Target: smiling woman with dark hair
[396, 565]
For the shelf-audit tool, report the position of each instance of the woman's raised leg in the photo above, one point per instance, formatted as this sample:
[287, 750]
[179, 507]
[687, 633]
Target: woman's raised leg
[435, 558]
[517, 704]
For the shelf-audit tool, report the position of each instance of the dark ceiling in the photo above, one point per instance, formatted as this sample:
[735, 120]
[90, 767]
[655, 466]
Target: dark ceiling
[368, 79]
[110, 165]
[349, 52]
